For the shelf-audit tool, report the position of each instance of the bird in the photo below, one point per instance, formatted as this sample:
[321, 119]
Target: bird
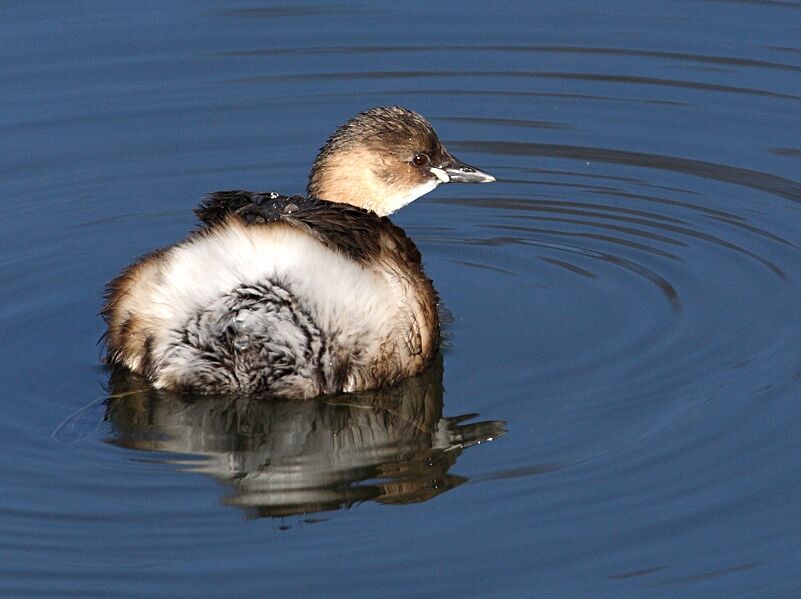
[299, 296]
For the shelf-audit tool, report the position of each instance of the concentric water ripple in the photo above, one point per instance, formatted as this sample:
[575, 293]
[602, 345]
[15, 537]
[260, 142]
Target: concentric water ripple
[727, 277]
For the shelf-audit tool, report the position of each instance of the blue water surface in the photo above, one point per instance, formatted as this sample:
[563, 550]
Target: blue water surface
[625, 302]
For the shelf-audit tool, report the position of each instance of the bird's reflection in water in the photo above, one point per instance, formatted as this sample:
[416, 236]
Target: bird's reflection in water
[291, 457]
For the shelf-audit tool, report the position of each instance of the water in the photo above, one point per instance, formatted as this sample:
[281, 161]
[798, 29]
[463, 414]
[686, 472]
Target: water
[627, 298]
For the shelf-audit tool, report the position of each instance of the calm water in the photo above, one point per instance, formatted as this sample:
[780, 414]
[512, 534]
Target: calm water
[627, 299]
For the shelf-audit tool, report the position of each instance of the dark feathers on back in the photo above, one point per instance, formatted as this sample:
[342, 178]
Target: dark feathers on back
[354, 231]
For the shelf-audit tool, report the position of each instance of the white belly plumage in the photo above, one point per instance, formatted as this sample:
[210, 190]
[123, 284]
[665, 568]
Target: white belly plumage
[261, 309]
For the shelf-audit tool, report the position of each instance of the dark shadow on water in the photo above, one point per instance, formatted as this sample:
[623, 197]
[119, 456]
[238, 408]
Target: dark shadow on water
[772, 184]
[280, 458]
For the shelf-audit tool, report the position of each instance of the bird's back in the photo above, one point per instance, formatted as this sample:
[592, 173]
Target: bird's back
[287, 297]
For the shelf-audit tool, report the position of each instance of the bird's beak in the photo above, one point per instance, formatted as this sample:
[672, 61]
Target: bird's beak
[456, 171]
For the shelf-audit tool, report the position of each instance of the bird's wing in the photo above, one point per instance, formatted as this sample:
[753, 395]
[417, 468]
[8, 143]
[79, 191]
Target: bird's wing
[354, 231]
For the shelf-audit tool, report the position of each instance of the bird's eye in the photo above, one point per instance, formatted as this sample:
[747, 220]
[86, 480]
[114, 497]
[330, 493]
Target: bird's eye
[421, 160]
